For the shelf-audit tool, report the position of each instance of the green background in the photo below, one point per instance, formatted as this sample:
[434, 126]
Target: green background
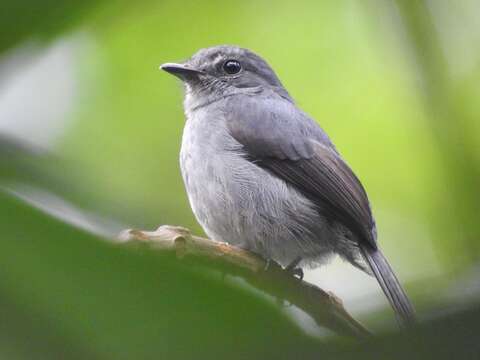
[395, 84]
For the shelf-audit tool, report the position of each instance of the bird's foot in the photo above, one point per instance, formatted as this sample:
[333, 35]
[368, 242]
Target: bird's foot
[293, 269]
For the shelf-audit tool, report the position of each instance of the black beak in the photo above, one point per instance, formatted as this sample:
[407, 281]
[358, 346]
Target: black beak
[181, 71]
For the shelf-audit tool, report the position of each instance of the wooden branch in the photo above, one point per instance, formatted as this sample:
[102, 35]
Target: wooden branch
[325, 308]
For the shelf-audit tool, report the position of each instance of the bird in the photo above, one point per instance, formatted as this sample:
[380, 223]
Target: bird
[263, 175]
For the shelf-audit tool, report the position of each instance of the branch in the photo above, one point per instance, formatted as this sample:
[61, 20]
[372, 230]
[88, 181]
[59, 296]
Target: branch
[324, 307]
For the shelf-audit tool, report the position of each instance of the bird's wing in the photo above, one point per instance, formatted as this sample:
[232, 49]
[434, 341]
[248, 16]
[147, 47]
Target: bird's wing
[281, 139]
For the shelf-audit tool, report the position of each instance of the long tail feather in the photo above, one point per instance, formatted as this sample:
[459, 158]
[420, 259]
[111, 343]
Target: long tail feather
[390, 285]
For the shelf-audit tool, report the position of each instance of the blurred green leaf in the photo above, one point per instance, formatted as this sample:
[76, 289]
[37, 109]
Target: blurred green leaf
[65, 288]
[67, 295]
[38, 20]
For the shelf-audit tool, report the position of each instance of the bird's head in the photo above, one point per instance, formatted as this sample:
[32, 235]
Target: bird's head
[224, 71]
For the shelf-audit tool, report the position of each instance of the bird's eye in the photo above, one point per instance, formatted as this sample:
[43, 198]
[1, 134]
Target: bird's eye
[232, 67]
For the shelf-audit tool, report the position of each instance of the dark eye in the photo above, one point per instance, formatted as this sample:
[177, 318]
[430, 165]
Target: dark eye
[232, 67]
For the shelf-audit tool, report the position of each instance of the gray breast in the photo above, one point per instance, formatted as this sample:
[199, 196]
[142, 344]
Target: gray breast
[237, 202]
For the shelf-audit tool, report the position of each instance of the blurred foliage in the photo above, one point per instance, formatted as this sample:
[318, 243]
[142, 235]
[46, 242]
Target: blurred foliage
[454, 118]
[66, 295]
[395, 84]
[23, 19]
[60, 286]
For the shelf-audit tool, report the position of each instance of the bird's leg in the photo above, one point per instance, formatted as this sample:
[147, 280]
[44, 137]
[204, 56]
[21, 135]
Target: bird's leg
[293, 269]
[271, 265]
[267, 264]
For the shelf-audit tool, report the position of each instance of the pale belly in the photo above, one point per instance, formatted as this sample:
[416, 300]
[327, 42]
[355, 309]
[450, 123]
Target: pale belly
[236, 201]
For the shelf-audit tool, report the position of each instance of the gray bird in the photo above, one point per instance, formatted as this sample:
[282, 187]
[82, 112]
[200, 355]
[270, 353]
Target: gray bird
[263, 175]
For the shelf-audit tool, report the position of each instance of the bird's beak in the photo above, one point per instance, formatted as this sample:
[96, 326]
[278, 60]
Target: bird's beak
[181, 71]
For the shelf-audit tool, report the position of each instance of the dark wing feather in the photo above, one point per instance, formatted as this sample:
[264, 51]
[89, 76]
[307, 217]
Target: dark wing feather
[328, 181]
[280, 138]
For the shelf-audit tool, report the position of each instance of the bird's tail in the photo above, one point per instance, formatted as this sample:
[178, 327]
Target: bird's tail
[390, 285]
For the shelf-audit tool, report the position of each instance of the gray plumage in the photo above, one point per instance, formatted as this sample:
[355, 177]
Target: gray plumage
[263, 175]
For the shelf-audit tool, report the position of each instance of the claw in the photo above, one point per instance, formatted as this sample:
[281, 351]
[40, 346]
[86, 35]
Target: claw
[297, 272]
[293, 269]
